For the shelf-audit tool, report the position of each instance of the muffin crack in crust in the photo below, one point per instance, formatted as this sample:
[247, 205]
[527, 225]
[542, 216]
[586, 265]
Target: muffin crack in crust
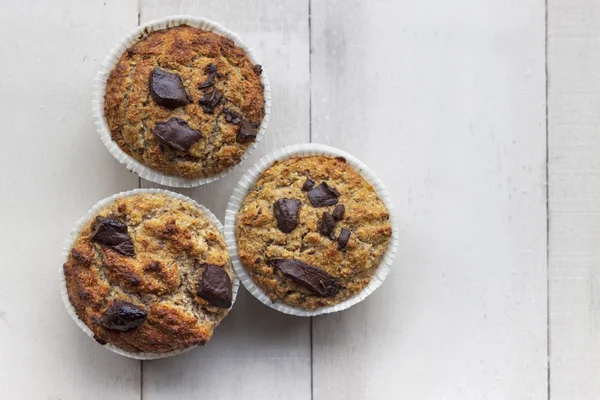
[132, 108]
[147, 301]
[312, 231]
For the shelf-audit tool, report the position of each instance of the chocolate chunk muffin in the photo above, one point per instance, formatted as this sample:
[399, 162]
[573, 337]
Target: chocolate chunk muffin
[150, 274]
[312, 231]
[185, 101]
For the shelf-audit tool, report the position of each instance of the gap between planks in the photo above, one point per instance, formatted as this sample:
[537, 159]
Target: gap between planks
[548, 366]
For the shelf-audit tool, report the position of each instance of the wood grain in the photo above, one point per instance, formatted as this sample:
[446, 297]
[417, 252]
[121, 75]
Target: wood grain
[54, 169]
[446, 102]
[257, 352]
[574, 200]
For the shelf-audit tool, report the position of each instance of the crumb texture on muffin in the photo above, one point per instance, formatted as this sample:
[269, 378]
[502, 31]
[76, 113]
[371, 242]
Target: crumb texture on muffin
[137, 275]
[185, 101]
[312, 231]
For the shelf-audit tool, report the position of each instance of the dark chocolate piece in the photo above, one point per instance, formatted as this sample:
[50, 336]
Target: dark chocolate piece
[343, 238]
[338, 212]
[112, 233]
[100, 341]
[211, 70]
[177, 134]
[215, 286]
[123, 316]
[308, 184]
[286, 213]
[257, 69]
[153, 266]
[167, 89]
[326, 225]
[323, 195]
[247, 131]
[232, 116]
[313, 278]
[210, 100]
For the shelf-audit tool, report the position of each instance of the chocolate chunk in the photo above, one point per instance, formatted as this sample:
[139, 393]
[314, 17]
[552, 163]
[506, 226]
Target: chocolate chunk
[113, 234]
[326, 225]
[313, 278]
[123, 316]
[308, 184]
[210, 100]
[286, 213]
[257, 69]
[232, 116]
[153, 266]
[215, 286]
[247, 131]
[343, 238]
[211, 70]
[323, 195]
[167, 89]
[100, 341]
[133, 281]
[177, 134]
[338, 212]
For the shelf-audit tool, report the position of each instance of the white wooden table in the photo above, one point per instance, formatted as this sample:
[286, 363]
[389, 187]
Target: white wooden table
[483, 119]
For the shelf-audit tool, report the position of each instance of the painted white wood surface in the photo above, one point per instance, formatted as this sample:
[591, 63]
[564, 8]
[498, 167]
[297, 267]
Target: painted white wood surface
[574, 198]
[256, 353]
[54, 169]
[445, 100]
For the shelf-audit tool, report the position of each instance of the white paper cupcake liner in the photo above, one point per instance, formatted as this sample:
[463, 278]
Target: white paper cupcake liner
[248, 181]
[113, 57]
[75, 233]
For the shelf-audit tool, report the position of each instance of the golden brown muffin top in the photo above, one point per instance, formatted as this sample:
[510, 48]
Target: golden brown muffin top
[150, 273]
[312, 231]
[185, 101]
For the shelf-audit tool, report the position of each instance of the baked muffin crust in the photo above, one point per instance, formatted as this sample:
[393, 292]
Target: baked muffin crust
[194, 76]
[312, 231]
[153, 296]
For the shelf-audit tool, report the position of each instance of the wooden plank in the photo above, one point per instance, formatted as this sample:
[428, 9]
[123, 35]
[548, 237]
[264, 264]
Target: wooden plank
[257, 352]
[446, 102]
[54, 169]
[574, 199]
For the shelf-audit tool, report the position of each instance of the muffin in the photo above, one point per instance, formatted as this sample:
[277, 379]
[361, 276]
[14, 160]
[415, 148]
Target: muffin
[150, 273]
[185, 101]
[312, 232]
